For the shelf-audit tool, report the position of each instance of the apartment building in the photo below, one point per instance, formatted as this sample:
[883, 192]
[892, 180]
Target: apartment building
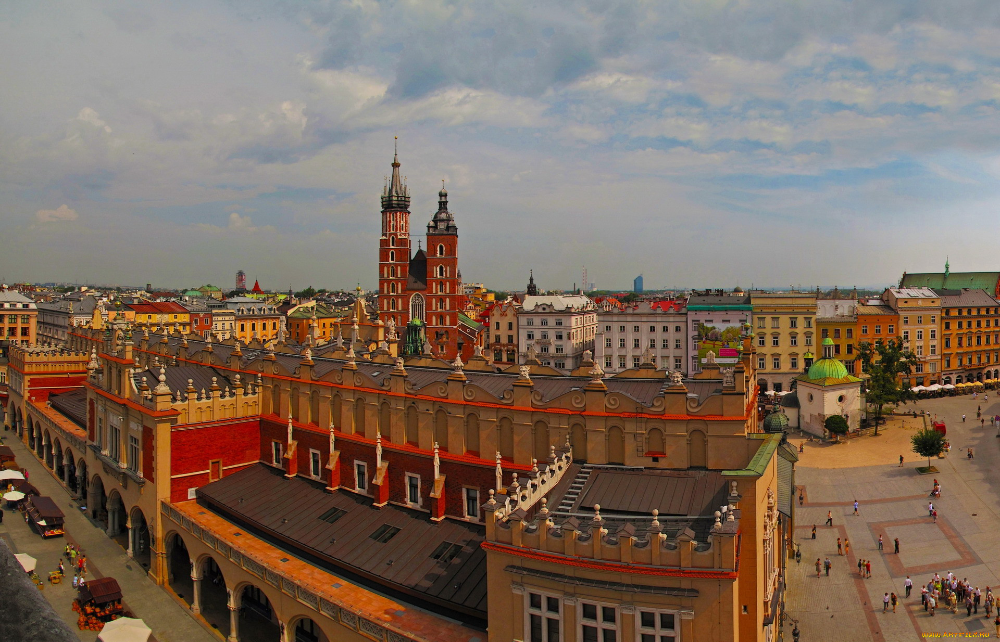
[919, 311]
[970, 336]
[558, 329]
[784, 332]
[626, 332]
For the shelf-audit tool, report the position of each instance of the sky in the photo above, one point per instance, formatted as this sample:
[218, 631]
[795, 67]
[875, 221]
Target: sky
[701, 143]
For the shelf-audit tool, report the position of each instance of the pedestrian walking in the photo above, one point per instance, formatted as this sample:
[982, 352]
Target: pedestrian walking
[855, 507]
[814, 531]
[900, 461]
[847, 546]
[968, 606]
[908, 585]
[930, 508]
[934, 514]
[963, 418]
[880, 542]
[885, 603]
[923, 596]
[800, 498]
[819, 566]
[829, 518]
[828, 565]
[894, 600]
[840, 547]
[931, 604]
[895, 546]
[861, 567]
[868, 568]
[977, 600]
[996, 623]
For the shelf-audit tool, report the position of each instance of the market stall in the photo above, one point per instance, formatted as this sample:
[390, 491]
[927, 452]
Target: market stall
[45, 515]
[98, 601]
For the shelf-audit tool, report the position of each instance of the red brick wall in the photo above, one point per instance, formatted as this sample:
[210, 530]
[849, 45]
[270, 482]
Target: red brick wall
[234, 442]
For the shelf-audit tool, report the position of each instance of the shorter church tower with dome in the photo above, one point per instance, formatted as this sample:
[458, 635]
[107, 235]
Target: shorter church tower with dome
[827, 389]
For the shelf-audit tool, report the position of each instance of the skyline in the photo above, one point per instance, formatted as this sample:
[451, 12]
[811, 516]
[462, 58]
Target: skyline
[177, 144]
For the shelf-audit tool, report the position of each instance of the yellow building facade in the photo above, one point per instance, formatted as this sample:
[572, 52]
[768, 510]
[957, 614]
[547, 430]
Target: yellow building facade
[784, 325]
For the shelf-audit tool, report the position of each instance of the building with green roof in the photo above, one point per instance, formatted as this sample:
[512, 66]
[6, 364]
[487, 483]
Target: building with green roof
[948, 280]
[827, 389]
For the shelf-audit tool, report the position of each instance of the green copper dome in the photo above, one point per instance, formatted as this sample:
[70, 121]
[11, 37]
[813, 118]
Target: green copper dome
[777, 421]
[827, 369]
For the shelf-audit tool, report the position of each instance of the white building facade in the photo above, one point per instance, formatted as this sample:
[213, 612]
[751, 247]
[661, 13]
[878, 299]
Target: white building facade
[556, 329]
[626, 331]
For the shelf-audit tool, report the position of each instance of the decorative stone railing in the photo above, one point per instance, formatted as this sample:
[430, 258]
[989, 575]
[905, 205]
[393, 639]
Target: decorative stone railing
[526, 492]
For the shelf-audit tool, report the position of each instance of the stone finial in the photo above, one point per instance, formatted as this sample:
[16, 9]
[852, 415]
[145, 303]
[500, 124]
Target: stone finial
[437, 461]
[307, 355]
[718, 521]
[378, 450]
[596, 373]
[92, 365]
[351, 356]
[161, 387]
[289, 428]
[597, 513]
[333, 438]
[457, 363]
[477, 351]
[710, 358]
[499, 473]
[492, 500]
[656, 519]
[534, 466]
[525, 373]
[399, 364]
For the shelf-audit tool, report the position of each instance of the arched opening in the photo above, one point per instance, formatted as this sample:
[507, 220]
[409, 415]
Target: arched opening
[117, 525]
[97, 500]
[697, 450]
[81, 479]
[654, 442]
[31, 434]
[293, 403]
[258, 620]
[214, 597]
[138, 534]
[578, 440]
[392, 286]
[336, 406]
[71, 473]
[417, 307]
[179, 567]
[412, 429]
[307, 630]
[505, 443]
[57, 461]
[616, 446]
[47, 454]
[20, 423]
[441, 249]
[541, 441]
[472, 434]
[441, 429]
[392, 255]
[314, 407]
[359, 416]
[762, 386]
[392, 272]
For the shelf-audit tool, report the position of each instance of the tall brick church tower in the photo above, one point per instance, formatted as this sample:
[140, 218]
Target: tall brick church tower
[419, 291]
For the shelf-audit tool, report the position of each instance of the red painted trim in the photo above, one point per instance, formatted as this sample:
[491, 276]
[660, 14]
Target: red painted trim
[111, 357]
[132, 404]
[611, 567]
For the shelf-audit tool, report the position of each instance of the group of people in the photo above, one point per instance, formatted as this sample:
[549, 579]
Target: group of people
[77, 562]
[952, 593]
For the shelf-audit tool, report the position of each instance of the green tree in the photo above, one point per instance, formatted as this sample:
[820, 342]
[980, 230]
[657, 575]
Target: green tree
[837, 425]
[886, 363]
[308, 293]
[928, 443]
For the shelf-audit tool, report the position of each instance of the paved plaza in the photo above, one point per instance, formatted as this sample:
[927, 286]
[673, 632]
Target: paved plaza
[893, 503]
[170, 620]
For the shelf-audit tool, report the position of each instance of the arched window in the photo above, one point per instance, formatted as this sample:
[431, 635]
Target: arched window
[392, 255]
[392, 271]
[417, 307]
[441, 249]
[412, 431]
[441, 429]
[392, 304]
[472, 434]
[441, 271]
[440, 304]
[392, 288]
[505, 443]
[392, 239]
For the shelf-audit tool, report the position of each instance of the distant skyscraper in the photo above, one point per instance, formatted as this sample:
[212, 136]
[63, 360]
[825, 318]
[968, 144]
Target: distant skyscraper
[637, 285]
[241, 280]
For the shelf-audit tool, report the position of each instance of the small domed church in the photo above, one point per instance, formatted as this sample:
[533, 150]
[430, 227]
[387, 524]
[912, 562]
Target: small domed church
[420, 293]
[827, 389]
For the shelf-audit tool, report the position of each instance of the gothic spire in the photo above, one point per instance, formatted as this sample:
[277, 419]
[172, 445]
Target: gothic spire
[395, 196]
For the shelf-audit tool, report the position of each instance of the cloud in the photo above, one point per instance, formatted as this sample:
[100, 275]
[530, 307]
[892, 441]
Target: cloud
[61, 213]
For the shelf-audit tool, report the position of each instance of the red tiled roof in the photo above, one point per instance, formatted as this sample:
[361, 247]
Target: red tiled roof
[669, 305]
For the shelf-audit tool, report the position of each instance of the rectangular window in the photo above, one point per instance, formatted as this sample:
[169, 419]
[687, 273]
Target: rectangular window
[558, 321]
[530, 322]
[545, 335]
[920, 320]
[652, 343]
[677, 344]
[761, 363]
[607, 361]
[598, 622]
[809, 322]
[510, 325]
[607, 328]
[666, 328]
[793, 340]
[665, 344]
[677, 363]
[559, 349]
[794, 363]
[621, 363]
[761, 340]
[652, 329]
[384, 533]
[133, 453]
[775, 341]
[761, 322]
[775, 322]
[360, 476]
[793, 322]
[621, 328]
[850, 348]
[836, 333]
[544, 621]
[850, 333]
[635, 343]
[530, 336]
[933, 334]
[933, 349]
[864, 329]
[906, 335]
[607, 342]
[920, 350]
[332, 515]
[836, 349]
[776, 363]
[621, 342]
[920, 335]
[635, 328]
[656, 626]
[314, 464]
[825, 333]
[892, 329]
[472, 503]
[906, 320]
[635, 362]
[276, 453]
[545, 321]
[413, 489]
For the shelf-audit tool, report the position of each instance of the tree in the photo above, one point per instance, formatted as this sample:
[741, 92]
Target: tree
[308, 293]
[837, 425]
[928, 443]
[885, 363]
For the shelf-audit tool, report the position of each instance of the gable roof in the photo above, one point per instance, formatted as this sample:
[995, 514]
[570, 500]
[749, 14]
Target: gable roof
[989, 281]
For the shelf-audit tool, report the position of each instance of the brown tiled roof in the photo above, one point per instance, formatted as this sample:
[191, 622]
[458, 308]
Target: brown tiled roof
[101, 590]
[286, 512]
[73, 405]
[688, 493]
